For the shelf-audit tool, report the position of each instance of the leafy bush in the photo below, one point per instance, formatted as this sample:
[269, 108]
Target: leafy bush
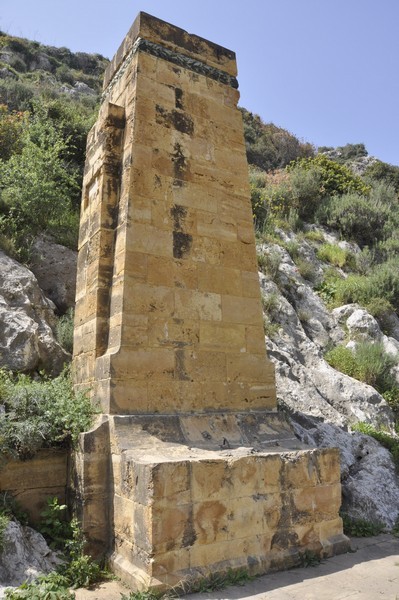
[271, 196]
[46, 587]
[36, 185]
[40, 413]
[383, 282]
[385, 172]
[270, 147]
[11, 129]
[357, 217]
[334, 179]
[53, 524]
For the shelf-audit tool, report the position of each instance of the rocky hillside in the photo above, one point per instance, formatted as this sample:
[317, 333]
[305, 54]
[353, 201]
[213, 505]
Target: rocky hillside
[328, 242]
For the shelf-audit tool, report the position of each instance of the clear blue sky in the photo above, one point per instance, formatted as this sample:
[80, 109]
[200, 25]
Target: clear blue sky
[327, 70]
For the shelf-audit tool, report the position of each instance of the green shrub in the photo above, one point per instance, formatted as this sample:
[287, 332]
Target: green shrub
[368, 362]
[270, 147]
[333, 254]
[53, 524]
[343, 360]
[270, 263]
[357, 217]
[314, 236]
[46, 587]
[36, 186]
[306, 190]
[334, 179]
[384, 172]
[374, 365]
[383, 282]
[306, 269]
[64, 330]
[40, 413]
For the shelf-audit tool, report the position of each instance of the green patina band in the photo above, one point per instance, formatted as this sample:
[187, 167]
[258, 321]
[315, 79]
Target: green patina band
[174, 57]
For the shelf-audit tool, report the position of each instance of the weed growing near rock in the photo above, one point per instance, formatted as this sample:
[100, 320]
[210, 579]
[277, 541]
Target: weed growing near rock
[368, 362]
[386, 439]
[360, 527]
[64, 330]
[333, 254]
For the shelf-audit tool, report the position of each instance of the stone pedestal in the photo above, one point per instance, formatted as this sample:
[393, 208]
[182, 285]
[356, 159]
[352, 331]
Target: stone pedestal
[169, 332]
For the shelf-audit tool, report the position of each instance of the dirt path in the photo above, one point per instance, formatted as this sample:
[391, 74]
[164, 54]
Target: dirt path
[369, 573]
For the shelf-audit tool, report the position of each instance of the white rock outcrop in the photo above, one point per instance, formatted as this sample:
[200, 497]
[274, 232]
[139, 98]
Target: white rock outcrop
[322, 402]
[25, 555]
[27, 340]
[54, 267]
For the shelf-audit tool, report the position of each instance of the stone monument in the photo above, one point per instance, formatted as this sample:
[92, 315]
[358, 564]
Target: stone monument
[190, 470]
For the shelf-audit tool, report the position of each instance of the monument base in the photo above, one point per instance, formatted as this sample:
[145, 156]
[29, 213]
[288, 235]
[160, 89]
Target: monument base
[198, 494]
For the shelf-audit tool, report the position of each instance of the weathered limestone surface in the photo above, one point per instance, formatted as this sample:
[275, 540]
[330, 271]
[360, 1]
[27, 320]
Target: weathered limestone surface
[191, 470]
[168, 304]
[31, 482]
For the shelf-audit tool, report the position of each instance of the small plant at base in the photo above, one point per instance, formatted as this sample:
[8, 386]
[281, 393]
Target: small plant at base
[81, 571]
[53, 524]
[309, 558]
[46, 587]
[216, 581]
[142, 595]
[360, 527]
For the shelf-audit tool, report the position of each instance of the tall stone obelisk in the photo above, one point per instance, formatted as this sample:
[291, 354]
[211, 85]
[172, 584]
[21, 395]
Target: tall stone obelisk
[191, 468]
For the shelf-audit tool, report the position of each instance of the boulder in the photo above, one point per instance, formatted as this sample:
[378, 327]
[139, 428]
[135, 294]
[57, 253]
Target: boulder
[370, 486]
[322, 402]
[55, 269]
[27, 322]
[24, 556]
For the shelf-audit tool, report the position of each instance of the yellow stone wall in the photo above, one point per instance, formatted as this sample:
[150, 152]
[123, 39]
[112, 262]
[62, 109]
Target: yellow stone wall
[31, 482]
[176, 520]
[168, 314]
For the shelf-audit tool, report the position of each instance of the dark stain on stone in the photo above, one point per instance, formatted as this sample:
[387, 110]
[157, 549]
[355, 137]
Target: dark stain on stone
[178, 214]
[174, 118]
[182, 243]
[284, 540]
[180, 166]
[179, 98]
[189, 535]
